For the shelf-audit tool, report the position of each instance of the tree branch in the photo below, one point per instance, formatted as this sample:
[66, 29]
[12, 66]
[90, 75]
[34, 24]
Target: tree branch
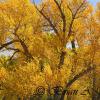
[7, 44]
[73, 17]
[24, 46]
[76, 77]
[48, 19]
[71, 24]
[12, 55]
[62, 16]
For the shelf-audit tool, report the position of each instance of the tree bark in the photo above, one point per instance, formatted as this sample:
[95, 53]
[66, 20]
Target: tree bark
[74, 79]
[62, 56]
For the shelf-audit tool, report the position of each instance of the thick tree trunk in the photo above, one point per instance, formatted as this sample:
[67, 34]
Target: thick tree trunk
[62, 56]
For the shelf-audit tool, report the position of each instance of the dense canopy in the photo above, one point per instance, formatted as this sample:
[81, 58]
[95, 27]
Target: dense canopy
[53, 45]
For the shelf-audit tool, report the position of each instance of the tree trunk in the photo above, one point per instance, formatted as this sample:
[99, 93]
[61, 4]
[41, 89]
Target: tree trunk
[62, 56]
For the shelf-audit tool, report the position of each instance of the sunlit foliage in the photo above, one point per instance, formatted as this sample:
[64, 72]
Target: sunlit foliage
[51, 44]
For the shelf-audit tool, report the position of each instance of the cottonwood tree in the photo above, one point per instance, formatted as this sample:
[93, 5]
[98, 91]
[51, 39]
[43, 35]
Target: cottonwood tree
[38, 35]
[67, 20]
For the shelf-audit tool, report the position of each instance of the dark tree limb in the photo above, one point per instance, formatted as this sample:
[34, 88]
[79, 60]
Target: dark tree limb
[62, 16]
[24, 46]
[72, 21]
[62, 56]
[26, 51]
[12, 55]
[73, 17]
[76, 77]
[7, 44]
[13, 49]
[47, 18]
